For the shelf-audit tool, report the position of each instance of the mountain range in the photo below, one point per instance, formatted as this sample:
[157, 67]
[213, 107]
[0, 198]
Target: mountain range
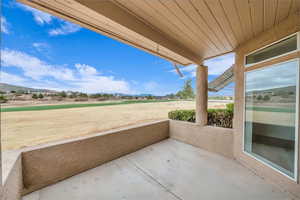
[8, 88]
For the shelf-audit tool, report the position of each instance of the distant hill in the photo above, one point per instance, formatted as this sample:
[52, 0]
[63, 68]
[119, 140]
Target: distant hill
[276, 91]
[7, 88]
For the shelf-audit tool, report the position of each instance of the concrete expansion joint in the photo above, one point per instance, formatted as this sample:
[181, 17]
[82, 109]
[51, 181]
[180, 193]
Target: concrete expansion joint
[154, 179]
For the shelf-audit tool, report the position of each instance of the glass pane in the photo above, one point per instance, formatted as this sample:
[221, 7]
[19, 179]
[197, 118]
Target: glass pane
[270, 115]
[282, 47]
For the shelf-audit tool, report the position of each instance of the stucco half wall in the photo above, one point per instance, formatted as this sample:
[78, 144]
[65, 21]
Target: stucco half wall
[213, 139]
[13, 183]
[49, 164]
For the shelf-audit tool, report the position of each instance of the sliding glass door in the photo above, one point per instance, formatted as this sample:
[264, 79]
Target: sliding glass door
[271, 109]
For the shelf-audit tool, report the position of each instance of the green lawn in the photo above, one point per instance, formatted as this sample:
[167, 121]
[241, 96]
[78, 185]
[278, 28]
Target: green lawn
[66, 106]
[271, 109]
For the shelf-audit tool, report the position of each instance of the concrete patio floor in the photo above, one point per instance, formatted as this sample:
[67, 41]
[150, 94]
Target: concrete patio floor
[169, 170]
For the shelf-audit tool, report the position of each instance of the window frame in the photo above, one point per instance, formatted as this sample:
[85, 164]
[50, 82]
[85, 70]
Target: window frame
[263, 161]
[297, 34]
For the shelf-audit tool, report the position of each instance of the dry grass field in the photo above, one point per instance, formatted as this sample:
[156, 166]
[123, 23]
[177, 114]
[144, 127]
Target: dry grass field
[29, 128]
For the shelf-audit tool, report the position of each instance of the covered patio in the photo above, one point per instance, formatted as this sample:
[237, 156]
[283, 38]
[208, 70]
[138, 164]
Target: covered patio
[169, 170]
[171, 159]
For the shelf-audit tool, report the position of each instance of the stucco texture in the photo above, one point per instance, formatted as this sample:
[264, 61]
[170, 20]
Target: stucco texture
[52, 163]
[213, 139]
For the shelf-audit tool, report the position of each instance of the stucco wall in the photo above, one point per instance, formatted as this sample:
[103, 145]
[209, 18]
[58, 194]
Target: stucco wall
[287, 27]
[55, 162]
[213, 139]
[13, 185]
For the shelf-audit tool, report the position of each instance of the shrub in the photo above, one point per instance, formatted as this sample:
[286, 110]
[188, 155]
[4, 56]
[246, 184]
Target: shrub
[3, 99]
[83, 95]
[72, 96]
[266, 98]
[215, 117]
[35, 96]
[230, 107]
[183, 115]
[41, 96]
[259, 97]
[220, 117]
[62, 94]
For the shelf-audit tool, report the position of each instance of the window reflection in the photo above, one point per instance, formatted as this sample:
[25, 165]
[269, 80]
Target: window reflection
[270, 114]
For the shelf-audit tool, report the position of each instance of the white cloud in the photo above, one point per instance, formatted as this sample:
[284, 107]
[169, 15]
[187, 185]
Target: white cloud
[39, 44]
[11, 78]
[47, 84]
[218, 65]
[86, 70]
[102, 84]
[65, 29]
[4, 25]
[281, 75]
[191, 70]
[34, 67]
[89, 80]
[188, 71]
[42, 18]
[81, 77]
[39, 16]
[41, 47]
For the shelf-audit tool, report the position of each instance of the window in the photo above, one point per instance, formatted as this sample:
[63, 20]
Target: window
[280, 48]
[271, 110]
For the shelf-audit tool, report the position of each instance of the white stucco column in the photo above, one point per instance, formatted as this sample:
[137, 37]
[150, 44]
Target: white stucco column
[201, 95]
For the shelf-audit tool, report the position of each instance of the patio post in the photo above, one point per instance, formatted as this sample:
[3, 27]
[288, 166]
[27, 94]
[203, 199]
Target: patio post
[201, 95]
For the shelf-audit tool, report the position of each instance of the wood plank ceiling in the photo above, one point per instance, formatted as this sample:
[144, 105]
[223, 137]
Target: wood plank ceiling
[211, 27]
[200, 28]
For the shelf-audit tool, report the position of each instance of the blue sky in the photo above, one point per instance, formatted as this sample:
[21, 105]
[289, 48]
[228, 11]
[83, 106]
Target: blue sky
[42, 51]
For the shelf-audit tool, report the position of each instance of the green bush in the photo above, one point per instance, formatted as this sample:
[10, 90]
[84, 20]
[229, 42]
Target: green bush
[230, 106]
[220, 117]
[183, 115]
[215, 117]
[3, 99]
[41, 96]
[62, 94]
[35, 96]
